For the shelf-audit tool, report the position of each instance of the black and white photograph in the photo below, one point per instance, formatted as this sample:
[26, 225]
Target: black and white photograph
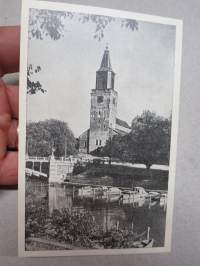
[99, 105]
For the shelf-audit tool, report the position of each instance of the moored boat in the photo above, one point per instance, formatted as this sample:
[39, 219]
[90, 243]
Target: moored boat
[112, 194]
[154, 195]
[86, 191]
[145, 243]
[141, 191]
[163, 199]
[132, 196]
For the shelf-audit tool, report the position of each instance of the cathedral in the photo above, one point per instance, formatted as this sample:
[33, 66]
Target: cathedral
[103, 110]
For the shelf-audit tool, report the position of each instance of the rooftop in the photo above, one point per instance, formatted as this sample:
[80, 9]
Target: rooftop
[122, 123]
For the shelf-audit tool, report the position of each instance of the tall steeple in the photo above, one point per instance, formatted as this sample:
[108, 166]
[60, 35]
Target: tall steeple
[103, 110]
[105, 75]
[105, 62]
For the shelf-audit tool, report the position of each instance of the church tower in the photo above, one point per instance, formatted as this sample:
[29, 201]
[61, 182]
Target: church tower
[103, 108]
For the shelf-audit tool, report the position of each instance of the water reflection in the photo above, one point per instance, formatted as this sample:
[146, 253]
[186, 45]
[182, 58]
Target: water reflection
[109, 212]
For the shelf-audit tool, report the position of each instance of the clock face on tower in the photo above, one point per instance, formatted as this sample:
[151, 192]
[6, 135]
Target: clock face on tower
[99, 99]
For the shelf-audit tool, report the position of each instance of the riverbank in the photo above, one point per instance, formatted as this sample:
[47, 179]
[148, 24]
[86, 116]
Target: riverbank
[66, 229]
[118, 175]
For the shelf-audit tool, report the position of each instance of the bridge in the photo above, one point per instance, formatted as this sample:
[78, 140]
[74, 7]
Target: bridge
[61, 167]
[58, 168]
[31, 172]
[37, 159]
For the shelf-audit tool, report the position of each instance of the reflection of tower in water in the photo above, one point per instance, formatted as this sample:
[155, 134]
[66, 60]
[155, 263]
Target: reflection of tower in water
[59, 198]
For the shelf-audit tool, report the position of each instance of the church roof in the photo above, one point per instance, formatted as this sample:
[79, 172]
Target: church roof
[105, 62]
[122, 123]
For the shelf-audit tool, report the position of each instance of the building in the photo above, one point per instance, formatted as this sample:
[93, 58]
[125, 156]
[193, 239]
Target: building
[103, 111]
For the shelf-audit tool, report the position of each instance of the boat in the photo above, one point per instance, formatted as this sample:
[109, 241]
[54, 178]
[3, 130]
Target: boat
[145, 243]
[163, 199]
[112, 194]
[132, 196]
[113, 191]
[141, 191]
[92, 192]
[154, 195]
[99, 191]
[86, 191]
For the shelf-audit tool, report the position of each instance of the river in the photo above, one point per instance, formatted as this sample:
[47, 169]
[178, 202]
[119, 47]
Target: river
[107, 213]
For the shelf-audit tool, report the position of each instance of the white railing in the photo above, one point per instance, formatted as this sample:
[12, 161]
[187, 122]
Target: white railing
[33, 158]
[34, 172]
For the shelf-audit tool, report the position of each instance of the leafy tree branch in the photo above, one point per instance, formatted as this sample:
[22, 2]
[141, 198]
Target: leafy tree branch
[48, 23]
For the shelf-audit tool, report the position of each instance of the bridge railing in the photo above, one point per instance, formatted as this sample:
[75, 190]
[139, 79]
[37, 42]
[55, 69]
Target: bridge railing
[34, 158]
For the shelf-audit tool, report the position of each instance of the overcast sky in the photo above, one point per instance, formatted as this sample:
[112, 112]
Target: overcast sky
[143, 61]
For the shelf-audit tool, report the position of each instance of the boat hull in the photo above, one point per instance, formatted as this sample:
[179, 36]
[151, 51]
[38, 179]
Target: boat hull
[144, 243]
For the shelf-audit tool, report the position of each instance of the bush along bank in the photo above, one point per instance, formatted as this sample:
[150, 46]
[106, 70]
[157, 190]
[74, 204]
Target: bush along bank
[74, 228]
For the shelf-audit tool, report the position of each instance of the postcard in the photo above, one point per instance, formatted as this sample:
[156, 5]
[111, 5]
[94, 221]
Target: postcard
[99, 106]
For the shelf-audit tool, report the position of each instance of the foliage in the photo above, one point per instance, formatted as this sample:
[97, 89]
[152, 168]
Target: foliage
[47, 23]
[71, 227]
[35, 215]
[44, 135]
[76, 228]
[124, 176]
[115, 148]
[33, 86]
[147, 143]
[150, 136]
[79, 168]
[44, 23]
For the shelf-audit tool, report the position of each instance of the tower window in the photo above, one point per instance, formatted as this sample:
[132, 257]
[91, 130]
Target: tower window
[100, 99]
[96, 141]
[114, 101]
[100, 142]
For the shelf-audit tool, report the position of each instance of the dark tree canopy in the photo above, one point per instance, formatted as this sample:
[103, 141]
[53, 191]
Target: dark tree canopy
[151, 136]
[116, 147]
[147, 143]
[44, 135]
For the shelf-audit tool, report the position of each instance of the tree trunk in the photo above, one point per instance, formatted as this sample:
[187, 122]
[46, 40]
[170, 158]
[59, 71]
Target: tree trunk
[148, 166]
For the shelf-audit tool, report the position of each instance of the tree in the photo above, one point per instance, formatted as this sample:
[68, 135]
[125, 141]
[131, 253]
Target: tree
[44, 135]
[116, 147]
[150, 139]
[33, 86]
[48, 23]
[147, 143]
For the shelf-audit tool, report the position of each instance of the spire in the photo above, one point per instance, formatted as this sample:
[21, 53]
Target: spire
[106, 63]
[105, 75]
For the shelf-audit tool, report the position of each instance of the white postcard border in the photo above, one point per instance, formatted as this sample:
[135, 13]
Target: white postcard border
[27, 4]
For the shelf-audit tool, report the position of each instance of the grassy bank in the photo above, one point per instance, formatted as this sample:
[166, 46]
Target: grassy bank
[127, 176]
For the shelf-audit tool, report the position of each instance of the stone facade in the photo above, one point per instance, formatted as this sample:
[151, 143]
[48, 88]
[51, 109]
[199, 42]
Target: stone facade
[103, 111]
[59, 169]
[84, 142]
